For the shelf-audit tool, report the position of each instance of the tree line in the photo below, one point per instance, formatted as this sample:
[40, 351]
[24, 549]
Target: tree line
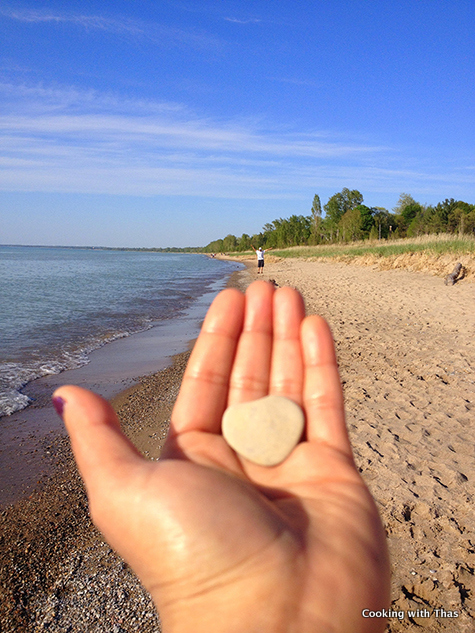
[347, 219]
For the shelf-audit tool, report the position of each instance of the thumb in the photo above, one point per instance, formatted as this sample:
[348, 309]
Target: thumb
[103, 453]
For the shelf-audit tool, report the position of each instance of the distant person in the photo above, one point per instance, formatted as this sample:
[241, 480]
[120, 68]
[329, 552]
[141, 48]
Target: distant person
[223, 544]
[260, 258]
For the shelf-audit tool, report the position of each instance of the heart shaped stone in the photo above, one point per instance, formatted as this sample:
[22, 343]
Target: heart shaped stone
[264, 431]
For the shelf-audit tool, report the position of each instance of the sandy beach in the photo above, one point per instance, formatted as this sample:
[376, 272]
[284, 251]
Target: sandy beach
[406, 350]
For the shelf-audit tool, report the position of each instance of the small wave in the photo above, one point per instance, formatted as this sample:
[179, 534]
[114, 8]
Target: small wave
[12, 401]
[132, 293]
[15, 376]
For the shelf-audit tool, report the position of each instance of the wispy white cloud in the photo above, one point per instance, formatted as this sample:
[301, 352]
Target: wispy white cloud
[159, 34]
[243, 21]
[297, 82]
[199, 135]
[85, 21]
[11, 65]
[71, 113]
[68, 140]
[28, 99]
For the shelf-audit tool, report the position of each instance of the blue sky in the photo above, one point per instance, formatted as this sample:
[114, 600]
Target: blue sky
[175, 122]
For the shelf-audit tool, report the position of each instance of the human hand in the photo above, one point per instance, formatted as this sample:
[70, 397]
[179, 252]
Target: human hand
[221, 543]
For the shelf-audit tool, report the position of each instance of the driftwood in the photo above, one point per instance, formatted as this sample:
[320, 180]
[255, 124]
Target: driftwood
[454, 275]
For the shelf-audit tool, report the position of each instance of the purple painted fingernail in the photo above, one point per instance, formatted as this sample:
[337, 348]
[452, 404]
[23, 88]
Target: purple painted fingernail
[58, 404]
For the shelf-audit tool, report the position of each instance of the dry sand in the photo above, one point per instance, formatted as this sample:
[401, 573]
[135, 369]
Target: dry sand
[405, 345]
[406, 350]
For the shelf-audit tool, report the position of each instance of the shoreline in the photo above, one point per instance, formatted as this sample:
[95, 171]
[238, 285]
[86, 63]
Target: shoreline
[50, 538]
[26, 462]
[145, 408]
[117, 297]
[405, 348]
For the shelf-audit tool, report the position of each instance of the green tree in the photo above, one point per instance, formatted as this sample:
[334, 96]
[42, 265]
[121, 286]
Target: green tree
[405, 199]
[382, 221]
[316, 218]
[373, 234]
[410, 211]
[338, 205]
[244, 242]
[215, 247]
[399, 228]
[444, 216]
[367, 219]
[258, 240]
[462, 218]
[350, 225]
[273, 234]
[230, 243]
[404, 213]
[417, 226]
[299, 230]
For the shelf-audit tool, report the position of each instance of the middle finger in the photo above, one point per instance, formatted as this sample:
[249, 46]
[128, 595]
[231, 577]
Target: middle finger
[286, 377]
[250, 374]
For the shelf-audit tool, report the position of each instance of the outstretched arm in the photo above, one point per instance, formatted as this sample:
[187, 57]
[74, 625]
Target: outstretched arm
[221, 543]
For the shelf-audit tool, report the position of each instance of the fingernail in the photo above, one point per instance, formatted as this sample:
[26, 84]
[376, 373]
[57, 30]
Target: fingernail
[58, 404]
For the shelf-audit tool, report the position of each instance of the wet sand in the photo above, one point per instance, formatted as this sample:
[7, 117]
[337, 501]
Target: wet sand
[25, 461]
[405, 345]
[56, 572]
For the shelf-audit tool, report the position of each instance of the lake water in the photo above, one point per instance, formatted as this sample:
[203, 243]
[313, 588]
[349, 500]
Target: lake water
[59, 304]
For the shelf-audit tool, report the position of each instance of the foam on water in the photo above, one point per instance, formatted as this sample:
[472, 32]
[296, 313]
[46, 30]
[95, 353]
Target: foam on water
[59, 304]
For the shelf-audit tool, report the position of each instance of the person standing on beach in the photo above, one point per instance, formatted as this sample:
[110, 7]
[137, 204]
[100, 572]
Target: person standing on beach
[221, 543]
[260, 258]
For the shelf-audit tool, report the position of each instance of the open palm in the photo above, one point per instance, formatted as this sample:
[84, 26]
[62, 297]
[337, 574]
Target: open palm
[223, 544]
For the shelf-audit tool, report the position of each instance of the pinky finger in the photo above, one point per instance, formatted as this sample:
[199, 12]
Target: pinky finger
[322, 393]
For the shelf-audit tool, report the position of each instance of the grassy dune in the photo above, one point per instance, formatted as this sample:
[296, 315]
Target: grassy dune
[436, 254]
[435, 244]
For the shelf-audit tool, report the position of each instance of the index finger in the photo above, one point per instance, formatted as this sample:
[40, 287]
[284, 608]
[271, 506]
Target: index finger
[204, 389]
